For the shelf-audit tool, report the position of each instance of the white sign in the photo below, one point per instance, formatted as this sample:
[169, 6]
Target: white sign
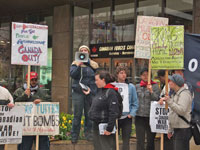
[11, 124]
[159, 118]
[41, 119]
[29, 44]
[142, 40]
[123, 90]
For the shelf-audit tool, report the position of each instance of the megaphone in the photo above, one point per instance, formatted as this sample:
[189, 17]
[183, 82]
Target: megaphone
[81, 57]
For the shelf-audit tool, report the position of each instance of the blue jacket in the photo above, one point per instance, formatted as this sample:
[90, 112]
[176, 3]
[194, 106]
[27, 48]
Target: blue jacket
[88, 75]
[133, 101]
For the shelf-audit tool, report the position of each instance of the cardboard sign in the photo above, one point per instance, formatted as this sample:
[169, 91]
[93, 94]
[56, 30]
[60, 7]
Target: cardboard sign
[167, 47]
[29, 44]
[11, 124]
[41, 119]
[142, 42]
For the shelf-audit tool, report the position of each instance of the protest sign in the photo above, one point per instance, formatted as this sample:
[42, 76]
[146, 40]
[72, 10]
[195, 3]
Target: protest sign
[11, 123]
[123, 90]
[41, 119]
[167, 47]
[142, 40]
[159, 118]
[29, 44]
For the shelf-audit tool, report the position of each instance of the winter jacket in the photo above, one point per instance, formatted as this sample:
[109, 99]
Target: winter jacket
[88, 75]
[105, 108]
[145, 98]
[180, 104]
[20, 96]
[5, 94]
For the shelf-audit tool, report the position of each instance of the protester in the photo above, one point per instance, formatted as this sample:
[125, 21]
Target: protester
[5, 99]
[82, 73]
[125, 122]
[36, 95]
[146, 93]
[180, 104]
[104, 109]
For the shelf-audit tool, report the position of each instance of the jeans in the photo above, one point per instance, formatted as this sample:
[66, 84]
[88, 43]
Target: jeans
[27, 142]
[126, 126]
[181, 138]
[80, 102]
[102, 142]
[168, 143]
[142, 128]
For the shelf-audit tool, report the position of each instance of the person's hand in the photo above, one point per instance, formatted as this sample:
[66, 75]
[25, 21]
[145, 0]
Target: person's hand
[36, 101]
[161, 101]
[107, 133]
[149, 87]
[129, 116]
[169, 135]
[10, 105]
[166, 98]
[87, 92]
[80, 63]
[28, 92]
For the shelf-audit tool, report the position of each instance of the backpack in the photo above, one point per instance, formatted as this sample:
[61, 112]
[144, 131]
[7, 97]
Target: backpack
[120, 102]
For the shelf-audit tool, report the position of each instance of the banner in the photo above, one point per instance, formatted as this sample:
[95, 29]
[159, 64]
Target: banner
[167, 47]
[29, 44]
[159, 118]
[41, 119]
[142, 42]
[123, 90]
[11, 124]
[192, 67]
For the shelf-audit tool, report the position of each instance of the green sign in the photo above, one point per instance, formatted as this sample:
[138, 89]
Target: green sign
[167, 47]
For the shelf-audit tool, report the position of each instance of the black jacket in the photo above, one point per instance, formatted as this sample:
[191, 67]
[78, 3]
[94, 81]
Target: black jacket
[105, 108]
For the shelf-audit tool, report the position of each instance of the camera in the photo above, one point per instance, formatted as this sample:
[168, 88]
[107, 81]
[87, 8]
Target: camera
[81, 57]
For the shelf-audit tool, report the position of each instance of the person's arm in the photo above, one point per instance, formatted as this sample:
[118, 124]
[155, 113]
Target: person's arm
[155, 93]
[133, 102]
[75, 70]
[20, 96]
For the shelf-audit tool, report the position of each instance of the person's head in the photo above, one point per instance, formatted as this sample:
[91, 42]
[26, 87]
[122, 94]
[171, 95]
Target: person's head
[102, 78]
[180, 72]
[84, 49]
[161, 75]
[121, 73]
[176, 81]
[144, 74]
[33, 78]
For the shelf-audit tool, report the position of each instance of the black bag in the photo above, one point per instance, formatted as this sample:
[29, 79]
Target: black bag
[195, 128]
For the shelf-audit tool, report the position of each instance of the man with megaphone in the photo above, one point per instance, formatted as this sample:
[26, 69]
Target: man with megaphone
[82, 72]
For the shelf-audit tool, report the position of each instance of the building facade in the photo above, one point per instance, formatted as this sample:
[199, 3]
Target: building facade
[72, 23]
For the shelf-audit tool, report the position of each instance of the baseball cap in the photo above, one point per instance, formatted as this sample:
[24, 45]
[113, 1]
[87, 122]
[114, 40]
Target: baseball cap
[177, 79]
[33, 75]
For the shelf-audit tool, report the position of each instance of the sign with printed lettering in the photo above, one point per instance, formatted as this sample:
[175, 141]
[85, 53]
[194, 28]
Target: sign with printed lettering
[167, 47]
[41, 119]
[142, 42]
[29, 44]
[11, 124]
[159, 118]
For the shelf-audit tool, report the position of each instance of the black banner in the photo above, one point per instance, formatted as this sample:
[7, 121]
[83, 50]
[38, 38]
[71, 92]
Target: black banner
[112, 50]
[192, 66]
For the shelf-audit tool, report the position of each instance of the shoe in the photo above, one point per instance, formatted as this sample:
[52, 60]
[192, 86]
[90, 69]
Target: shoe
[74, 141]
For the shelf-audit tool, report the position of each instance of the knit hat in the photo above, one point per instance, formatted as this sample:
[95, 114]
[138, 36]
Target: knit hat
[84, 46]
[177, 79]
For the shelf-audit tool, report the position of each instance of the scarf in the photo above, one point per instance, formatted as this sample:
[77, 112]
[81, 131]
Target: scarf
[145, 83]
[110, 86]
[31, 88]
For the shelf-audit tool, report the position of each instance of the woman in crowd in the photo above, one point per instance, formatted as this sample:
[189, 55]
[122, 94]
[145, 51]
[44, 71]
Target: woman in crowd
[146, 93]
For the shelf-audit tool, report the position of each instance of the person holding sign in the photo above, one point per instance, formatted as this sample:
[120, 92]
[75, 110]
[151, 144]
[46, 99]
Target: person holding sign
[5, 99]
[146, 93]
[130, 106]
[35, 95]
[180, 103]
[82, 74]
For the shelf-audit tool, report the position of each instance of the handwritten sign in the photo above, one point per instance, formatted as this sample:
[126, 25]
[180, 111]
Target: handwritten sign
[11, 123]
[159, 118]
[167, 47]
[29, 44]
[41, 119]
[142, 42]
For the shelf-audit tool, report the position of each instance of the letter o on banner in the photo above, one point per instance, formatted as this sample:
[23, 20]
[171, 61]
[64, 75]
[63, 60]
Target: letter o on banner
[192, 65]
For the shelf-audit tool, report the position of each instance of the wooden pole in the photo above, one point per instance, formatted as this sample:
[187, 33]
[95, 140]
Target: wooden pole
[6, 147]
[117, 135]
[149, 72]
[37, 142]
[162, 142]
[28, 80]
[166, 87]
